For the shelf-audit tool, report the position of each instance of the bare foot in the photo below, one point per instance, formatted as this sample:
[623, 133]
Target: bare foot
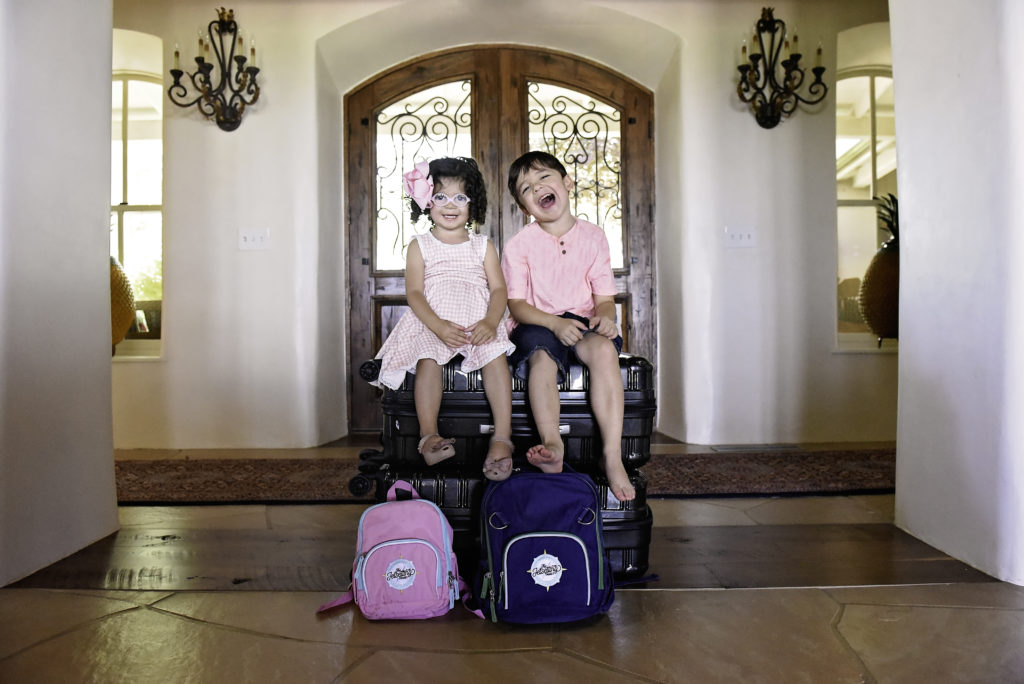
[546, 457]
[498, 464]
[618, 480]
[436, 449]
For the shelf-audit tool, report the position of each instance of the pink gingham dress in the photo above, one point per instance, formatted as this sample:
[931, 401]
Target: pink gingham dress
[455, 285]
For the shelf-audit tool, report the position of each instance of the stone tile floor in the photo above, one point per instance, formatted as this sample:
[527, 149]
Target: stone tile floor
[942, 630]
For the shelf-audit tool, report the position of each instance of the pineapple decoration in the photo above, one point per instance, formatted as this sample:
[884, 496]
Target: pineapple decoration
[880, 288]
[122, 304]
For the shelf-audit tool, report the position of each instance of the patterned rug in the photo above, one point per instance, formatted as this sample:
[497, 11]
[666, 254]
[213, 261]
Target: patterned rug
[669, 475]
[772, 472]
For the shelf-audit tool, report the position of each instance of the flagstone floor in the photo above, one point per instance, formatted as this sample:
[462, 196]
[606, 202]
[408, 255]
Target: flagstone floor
[790, 613]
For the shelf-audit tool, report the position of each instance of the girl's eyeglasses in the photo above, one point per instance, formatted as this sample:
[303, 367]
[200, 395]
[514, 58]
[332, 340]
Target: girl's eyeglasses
[440, 199]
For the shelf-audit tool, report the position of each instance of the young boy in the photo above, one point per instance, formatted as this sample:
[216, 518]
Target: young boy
[561, 296]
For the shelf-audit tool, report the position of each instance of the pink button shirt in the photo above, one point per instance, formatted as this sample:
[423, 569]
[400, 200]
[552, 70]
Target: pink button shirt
[559, 274]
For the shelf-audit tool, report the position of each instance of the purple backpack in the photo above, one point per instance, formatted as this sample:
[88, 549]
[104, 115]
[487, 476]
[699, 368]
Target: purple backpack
[405, 568]
[542, 557]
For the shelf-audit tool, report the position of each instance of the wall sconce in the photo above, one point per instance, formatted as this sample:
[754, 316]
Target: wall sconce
[225, 95]
[770, 97]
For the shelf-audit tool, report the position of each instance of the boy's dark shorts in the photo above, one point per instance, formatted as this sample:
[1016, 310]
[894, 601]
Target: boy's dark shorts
[529, 338]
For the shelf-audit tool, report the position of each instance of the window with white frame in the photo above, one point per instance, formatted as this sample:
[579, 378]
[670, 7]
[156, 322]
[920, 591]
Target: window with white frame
[865, 169]
[136, 178]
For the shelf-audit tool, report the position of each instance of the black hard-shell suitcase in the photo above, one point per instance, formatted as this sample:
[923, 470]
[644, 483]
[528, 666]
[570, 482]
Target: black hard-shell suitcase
[627, 524]
[465, 416]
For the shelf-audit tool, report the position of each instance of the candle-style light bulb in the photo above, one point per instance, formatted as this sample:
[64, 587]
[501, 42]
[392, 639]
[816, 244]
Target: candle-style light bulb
[199, 38]
[252, 51]
[817, 56]
[177, 56]
[795, 48]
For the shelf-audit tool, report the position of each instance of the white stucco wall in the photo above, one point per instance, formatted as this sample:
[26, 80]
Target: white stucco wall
[758, 334]
[56, 447]
[960, 136]
[863, 46]
[244, 361]
[254, 340]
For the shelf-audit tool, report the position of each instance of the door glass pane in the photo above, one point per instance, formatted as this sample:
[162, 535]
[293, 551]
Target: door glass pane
[428, 124]
[116, 159]
[853, 138]
[858, 242]
[145, 142]
[143, 254]
[585, 135]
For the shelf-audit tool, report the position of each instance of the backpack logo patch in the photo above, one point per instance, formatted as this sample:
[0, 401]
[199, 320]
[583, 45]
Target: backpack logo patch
[400, 575]
[546, 570]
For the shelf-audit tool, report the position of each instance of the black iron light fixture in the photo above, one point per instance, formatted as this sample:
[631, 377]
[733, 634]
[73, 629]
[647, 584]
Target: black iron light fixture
[771, 75]
[222, 88]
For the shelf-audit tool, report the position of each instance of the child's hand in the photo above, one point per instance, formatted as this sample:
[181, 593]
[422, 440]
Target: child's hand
[481, 332]
[453, 336]
[604, 326]
[569, 331]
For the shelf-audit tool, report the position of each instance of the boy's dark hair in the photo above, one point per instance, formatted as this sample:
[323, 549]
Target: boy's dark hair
[535, 159]
[465, 170]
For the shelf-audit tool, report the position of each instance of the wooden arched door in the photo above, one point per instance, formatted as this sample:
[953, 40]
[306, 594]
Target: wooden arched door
[493, 103]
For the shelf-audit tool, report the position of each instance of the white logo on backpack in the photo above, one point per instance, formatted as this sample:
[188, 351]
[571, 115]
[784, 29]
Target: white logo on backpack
[401, 574]
[546, 570]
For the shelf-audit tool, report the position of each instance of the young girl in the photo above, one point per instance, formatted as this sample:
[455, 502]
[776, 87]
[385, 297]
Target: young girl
[456, 293]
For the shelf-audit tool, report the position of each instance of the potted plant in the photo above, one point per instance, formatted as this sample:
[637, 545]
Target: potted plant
[880, 289]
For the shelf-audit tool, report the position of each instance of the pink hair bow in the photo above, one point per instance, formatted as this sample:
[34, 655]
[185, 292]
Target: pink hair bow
[419, 185]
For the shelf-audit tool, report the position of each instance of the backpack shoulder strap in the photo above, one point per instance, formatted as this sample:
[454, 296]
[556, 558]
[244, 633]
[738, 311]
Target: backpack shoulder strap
[465, 594]
[340, 601]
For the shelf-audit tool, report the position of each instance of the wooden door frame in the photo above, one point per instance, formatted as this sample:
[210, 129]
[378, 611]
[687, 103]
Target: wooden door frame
[637, 186]
[494, 151]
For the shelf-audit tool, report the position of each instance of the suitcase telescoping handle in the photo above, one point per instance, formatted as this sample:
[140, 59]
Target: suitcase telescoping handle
[489, 429]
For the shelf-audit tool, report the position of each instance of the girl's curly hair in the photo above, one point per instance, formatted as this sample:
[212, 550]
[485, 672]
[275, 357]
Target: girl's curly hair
[465, 170]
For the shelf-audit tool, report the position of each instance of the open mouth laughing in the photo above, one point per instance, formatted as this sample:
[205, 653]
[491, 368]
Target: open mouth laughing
[547, 200]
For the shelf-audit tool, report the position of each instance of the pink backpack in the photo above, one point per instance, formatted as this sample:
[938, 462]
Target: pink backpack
[405, 568]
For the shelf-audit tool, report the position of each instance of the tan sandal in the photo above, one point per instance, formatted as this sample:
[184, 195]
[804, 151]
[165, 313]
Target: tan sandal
[498, 469]
[443, 448]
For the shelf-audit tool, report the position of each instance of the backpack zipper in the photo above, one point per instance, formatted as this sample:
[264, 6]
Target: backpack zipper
[503, 589]
[364, 558]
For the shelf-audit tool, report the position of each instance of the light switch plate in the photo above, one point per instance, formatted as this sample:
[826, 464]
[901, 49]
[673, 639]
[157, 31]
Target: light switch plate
[258, 238]
[738, 238]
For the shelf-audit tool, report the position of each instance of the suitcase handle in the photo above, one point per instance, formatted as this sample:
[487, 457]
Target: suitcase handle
[489, 429]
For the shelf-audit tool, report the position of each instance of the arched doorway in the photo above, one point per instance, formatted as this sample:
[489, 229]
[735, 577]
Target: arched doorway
[493, 103]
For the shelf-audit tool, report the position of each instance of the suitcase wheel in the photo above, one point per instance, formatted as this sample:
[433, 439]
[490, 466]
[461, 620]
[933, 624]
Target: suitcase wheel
[360, 485]
[370, 370]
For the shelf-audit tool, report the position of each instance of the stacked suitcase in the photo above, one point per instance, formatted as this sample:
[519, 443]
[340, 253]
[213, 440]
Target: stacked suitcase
[457, 484]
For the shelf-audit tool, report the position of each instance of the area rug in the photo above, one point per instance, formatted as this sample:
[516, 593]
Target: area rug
[669, 475]
[772, 472]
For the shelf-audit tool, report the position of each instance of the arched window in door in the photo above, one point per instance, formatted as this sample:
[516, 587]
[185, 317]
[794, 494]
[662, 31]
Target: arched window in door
[585, 135]
[431, 123]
